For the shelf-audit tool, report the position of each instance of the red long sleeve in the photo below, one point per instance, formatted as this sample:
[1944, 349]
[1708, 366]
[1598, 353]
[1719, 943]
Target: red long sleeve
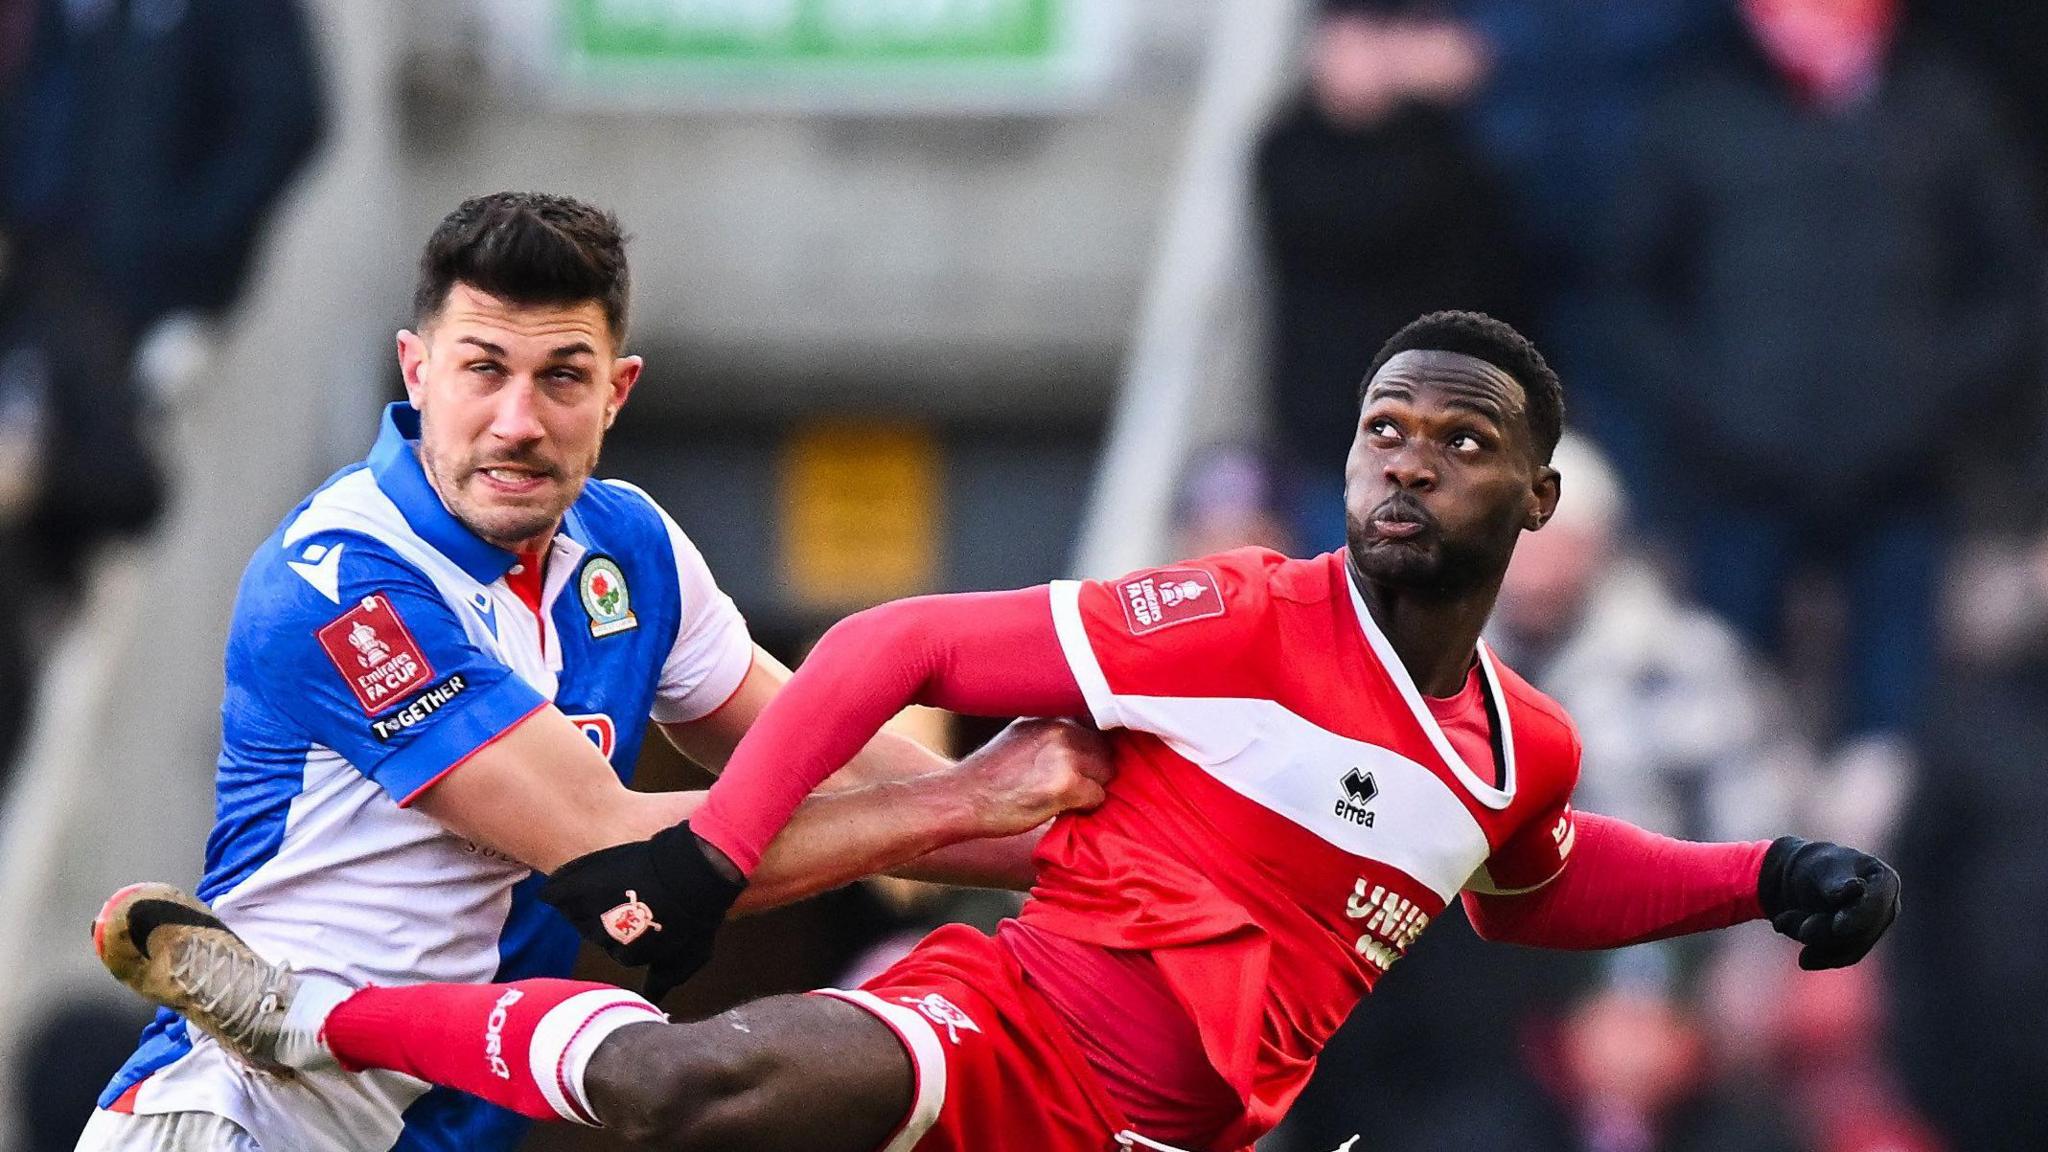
[981, 653]
[1624, 885]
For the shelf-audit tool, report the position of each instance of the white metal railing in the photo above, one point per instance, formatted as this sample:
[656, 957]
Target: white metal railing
[1194, 372]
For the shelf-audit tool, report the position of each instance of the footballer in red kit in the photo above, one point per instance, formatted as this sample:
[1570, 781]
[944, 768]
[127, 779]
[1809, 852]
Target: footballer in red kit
[1314, 758]
[1283, 792]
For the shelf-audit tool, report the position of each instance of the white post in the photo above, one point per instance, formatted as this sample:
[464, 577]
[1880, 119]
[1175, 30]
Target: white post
[1194, 370]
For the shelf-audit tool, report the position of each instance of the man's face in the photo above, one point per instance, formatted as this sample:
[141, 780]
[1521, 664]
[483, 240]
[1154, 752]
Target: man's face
[514, 401]
[1442, 476]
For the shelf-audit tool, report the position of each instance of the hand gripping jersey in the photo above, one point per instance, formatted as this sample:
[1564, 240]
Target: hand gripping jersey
[375, 645]
[1287, 816]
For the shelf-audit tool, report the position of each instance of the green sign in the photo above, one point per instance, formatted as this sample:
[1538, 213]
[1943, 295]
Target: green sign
[807, 36]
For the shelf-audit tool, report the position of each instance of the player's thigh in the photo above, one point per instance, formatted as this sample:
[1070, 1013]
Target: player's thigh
[804, 1072]
[163, 1132]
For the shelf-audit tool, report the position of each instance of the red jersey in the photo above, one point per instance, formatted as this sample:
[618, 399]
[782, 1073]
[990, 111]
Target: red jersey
[1287, 815]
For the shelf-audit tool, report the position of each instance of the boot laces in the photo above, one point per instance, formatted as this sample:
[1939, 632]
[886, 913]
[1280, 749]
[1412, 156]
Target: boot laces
[243, 996]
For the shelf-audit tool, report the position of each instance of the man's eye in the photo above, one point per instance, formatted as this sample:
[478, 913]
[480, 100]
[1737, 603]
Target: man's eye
[1466, 442]
[486, 368]
[1383, 428]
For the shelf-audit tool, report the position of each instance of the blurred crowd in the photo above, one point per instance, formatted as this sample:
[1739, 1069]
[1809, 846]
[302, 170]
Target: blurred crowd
[143, 144]
[143, 147]
[1787, 256]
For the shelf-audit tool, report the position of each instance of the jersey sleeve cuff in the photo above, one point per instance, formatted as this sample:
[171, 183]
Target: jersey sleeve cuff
[451, 739]
[1482, 883]
[1080, 654]
[735, 660]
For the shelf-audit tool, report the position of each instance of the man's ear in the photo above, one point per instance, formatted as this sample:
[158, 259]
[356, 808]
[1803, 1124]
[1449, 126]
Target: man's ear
[412, 360]
[625, 374]
[1543, 496]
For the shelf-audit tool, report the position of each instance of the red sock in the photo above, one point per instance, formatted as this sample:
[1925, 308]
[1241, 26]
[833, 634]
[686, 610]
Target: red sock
[522, 1046]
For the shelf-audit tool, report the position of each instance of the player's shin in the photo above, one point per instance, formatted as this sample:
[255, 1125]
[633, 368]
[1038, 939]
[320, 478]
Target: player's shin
[522, 1046]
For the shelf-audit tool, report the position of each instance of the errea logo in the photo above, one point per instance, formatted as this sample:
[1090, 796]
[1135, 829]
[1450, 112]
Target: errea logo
[1359, 790]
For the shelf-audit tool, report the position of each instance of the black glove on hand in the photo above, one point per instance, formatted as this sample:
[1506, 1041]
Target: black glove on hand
[657, 902]
[1835, 900]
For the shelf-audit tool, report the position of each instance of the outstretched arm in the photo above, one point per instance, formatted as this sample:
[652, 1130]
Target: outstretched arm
[975, 858]
[542, 794]
[709, 741]
[1622, 885]
[981, 653]
[986, 653]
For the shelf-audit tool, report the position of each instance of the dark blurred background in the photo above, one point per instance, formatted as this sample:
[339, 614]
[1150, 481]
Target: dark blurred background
[980, 294]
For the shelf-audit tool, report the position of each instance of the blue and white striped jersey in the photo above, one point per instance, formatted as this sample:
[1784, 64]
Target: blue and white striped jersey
[375, 645]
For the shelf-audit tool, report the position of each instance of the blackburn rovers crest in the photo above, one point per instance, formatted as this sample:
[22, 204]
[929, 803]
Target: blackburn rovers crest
[603, 589]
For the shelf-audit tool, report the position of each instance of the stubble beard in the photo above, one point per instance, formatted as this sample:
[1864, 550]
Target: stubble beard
[1441, 567]
[507, 526]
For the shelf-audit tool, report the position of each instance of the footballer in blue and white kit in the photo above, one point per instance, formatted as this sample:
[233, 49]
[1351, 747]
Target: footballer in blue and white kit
[369, 605]
[439, 674]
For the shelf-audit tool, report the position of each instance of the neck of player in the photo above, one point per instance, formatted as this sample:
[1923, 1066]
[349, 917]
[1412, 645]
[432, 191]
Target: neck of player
[1434, 632]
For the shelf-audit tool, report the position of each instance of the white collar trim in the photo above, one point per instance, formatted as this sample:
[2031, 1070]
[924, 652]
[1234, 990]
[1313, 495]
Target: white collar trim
[1485, 793]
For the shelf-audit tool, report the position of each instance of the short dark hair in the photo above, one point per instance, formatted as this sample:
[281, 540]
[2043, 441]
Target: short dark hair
[527, 248]
[1482, 337]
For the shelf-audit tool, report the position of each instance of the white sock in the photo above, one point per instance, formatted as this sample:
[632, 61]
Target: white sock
[299, 1046]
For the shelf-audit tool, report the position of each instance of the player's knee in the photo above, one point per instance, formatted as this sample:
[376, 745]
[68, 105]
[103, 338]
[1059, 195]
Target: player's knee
[686, 1089]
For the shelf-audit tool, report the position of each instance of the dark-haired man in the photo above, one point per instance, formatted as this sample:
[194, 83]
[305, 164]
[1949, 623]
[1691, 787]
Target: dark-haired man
[439, 673]
[1315, 757]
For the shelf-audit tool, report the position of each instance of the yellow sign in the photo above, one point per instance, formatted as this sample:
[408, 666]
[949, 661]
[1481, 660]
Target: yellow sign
[860, 513]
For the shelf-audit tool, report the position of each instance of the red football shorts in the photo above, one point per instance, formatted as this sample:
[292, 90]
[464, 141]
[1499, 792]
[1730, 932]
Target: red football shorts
[995, 1067]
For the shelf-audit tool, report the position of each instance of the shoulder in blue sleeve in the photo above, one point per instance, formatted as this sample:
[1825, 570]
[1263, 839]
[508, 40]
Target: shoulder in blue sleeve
[353, 643]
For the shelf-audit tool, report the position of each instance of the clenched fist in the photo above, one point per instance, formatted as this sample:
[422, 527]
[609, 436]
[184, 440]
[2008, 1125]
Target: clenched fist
[1835, 900]
[1033, 771]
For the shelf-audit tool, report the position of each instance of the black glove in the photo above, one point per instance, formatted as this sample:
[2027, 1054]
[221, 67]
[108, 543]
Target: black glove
[1835, 900]
[657, 902]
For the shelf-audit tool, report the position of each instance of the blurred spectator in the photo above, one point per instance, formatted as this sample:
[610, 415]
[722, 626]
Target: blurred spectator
[1560, 119]
[1831, 267]
[1632, 1068]
[1227, 500]
[1374, 214]
[142, 145]
[1971, 959]
[1684, 733]
[68, 1052]
[2007, 39]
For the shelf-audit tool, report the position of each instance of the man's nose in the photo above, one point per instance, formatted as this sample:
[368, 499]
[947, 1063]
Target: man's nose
[1408, 467]
[514, 416]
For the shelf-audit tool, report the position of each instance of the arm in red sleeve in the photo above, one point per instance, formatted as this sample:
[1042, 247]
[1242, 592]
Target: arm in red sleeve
[981, 653]
[1623, 885]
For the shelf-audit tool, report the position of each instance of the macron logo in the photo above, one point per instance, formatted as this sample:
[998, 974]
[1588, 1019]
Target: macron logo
[320, 566]
[486, 610]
